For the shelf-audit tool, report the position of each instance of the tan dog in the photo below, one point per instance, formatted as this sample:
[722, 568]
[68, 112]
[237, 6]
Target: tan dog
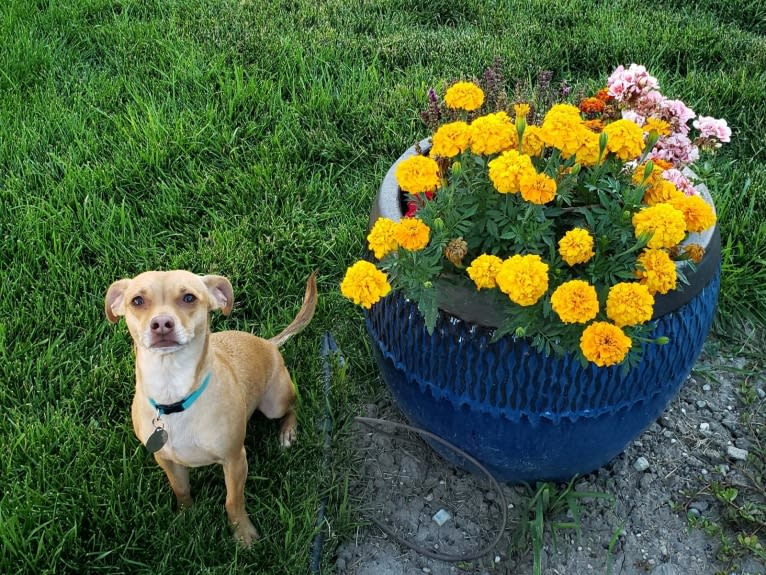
[196, 390]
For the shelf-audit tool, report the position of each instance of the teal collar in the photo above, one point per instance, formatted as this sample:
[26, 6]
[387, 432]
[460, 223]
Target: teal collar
[184, 404]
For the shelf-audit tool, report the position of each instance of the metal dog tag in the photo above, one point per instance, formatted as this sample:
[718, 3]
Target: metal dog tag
[156, 440]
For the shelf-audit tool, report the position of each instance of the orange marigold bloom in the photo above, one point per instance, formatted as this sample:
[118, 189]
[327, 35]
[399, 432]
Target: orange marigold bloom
[695, 252]
[603, 95]
[656, 125]
[662, 191]
[576, 247]
[656, 271]
[483, 271]
[506, 171]
[418, 174]
[412, 234]
[531, 141]
[464, 96]
[625, 139]
[698, 214]
[575, 301]
[594, 125]
[665, 223]
[537, 188]
[591, 106]
[382, 237]
[629, 304]
[604, 344]
[523, 278]
[493, 133]
[364, 284]
[450, 139]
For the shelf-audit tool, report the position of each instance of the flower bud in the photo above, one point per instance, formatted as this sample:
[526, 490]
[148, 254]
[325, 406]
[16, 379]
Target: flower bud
[438, 224]
[575, 169]
[520, 332]
[662, 340]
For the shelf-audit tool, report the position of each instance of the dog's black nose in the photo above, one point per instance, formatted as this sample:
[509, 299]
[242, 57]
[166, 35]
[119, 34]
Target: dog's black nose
[162, 324]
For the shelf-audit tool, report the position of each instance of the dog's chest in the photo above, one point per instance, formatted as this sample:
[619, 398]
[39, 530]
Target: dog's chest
[183, 444]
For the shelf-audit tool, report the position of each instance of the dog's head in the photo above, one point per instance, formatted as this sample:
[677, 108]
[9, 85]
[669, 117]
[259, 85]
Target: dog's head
[165, 311]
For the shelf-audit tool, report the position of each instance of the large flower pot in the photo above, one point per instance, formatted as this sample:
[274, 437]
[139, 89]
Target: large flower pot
[523, 415]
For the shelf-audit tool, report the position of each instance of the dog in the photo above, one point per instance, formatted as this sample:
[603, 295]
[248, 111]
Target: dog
[196, 390]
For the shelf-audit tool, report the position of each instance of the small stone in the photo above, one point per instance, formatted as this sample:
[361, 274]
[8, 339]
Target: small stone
[701, 404]
[430, 496]
[704, 426]
[706, 387]
[667, 434]
[699, 505]
[761, 393]
[426, 570]
[736, 453]
[694, 512]
[497, 558]
[441, 517]
[641, 464]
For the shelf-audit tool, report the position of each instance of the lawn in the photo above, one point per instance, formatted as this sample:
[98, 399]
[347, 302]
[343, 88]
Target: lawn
[247, 139]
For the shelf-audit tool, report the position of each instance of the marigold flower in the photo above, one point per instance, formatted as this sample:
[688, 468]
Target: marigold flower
[464, 96]
[576, 247]
[604, 344]
[625, 139]
[412, 234]
[521, 110]
[575, 301]
[695, 252]
[656, 125]
[656, 271]
[698, 214]
[382, 237]
[483, 271]
[506, 170]
[666, 224]
[629, 304]
[523, 278]
[364, 284]
[456, 250]
[532, 142]
[596, 125]
[537, 188]
[418, 174]
[588, 153]
[493, 133]
[591, 106]
[450, 140]
[604, 96]
[661, 192]
[563, 129]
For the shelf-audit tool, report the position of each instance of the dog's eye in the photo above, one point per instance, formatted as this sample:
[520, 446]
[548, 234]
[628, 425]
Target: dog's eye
[189, 298]
[137, 301]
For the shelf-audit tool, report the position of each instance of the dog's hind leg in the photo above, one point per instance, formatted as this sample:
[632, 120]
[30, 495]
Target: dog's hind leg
[178, 476]
[279, 402]
[235, 474]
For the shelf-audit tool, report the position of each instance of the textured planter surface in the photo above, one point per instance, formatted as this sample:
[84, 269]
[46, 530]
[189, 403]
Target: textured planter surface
[525, 416]
[528, 417]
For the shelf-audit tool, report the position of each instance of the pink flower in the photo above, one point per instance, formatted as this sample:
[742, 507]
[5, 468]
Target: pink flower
[677, 114]
[713, 129]
[629, 84]
[634, 117]
[680, 181]
[676, 149]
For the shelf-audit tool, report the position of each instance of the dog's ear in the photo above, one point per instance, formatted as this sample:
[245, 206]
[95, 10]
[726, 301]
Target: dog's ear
[114, 304]
[221, 293]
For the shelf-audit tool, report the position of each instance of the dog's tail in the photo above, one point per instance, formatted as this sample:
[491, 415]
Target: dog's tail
[304, 315]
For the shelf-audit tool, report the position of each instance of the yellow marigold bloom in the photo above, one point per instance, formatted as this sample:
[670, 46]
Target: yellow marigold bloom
[464, 96]
[666, 224]
[483, 271]
[506, 170]
[587, 153]
[629, 304]
[364, 284]
[523, 278]
[537, 188]
[563, 129]
[695, 252]
[657, 125]
[493, 133]
[604, 344]
[412, 234]
[450, 140]
[698, 214]
[382, 237]
[576, 247]
[656, 271]
[654, 177]
[521, 110]
[662, 164]
[661, 192]
[532, 142]
[418, 174]
[594, 125]
[575, 301]
[625, 139]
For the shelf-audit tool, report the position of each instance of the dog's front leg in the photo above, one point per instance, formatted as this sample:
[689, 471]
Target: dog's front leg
[178, 476]
[235, 474]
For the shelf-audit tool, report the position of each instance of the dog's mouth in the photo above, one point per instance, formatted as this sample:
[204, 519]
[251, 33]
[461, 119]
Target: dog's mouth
[165, 344]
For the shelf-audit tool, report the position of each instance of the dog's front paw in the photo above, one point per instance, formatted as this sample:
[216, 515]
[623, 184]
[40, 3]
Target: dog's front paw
[288, 435]
[245, 533]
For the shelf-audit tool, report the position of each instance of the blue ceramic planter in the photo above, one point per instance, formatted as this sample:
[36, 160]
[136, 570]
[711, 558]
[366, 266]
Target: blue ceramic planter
[528, 417]
[525, 416]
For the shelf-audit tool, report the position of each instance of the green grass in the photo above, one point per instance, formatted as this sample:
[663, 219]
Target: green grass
[247, 138]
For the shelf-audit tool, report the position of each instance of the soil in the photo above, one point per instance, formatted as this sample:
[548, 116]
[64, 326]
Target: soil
[654, 487]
